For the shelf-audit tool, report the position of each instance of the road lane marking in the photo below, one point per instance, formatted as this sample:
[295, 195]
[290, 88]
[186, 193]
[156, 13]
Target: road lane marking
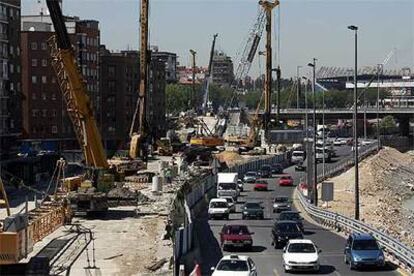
[275, 272]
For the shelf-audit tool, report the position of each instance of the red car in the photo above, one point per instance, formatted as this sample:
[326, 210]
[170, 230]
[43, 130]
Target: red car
[260, 185]
[236, 236]
[286, 180]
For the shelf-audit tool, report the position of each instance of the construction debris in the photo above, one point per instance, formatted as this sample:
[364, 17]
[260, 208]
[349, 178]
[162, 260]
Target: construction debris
[386, 182]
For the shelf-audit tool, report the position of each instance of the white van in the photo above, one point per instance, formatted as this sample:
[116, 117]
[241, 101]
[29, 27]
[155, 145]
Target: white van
[227, 185]
[298, 156]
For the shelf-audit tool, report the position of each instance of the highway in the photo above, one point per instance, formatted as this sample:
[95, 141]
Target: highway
[269, 260]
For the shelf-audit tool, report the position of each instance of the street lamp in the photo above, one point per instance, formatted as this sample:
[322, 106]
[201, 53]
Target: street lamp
[315, 169]
[356, 188]
[298, 84]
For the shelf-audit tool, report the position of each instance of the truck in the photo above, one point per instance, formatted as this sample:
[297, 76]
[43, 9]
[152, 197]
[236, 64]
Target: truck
[227, 185]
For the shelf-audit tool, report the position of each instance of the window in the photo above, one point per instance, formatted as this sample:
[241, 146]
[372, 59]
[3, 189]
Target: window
[11, 68]
[54, 129]
[34, 62]
[44, 96]
[44, 79]
[44, 46]
[34, 96]
[33, 46]
[18, 68]
[11, 86]
[18, 51]
[44, 62]
[34, 112]
[111, 71]
[53, 80]
[44, 112]
[11, 50]
[53, 97]
[54, 113]
[34, 79]
[18, 87]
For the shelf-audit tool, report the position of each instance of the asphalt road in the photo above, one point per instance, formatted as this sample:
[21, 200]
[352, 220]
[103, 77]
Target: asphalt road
[269, 260]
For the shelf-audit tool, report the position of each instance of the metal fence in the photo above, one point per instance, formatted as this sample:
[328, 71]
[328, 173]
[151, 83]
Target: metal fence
[397, 251]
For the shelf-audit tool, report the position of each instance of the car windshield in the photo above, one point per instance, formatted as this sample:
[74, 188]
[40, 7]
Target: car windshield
[289, 216]
[288, 227]
[281, 199]
[228, 186]
[301, 248]
[298, 154]
[229, 199]
[250, 174]
[238, 230]
[218, 205]
[232, 265]
[253, 206]
[365, 245]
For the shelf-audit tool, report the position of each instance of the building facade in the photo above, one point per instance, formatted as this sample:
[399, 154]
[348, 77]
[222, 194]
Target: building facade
[119, 88]
[10, 84]
[45, 120]
[222, 69]
[170, 61]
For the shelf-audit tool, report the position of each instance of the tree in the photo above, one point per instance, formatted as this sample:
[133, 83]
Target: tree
[388, 124]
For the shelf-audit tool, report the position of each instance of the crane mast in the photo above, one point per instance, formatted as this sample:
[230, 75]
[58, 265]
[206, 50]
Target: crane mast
[72, 85]
[137, 137]
[208, 77]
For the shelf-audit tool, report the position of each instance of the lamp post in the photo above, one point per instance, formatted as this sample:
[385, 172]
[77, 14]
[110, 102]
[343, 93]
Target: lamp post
[306, 107]
[315, 169]
[298, 84]
[356, 188]
[379, 70]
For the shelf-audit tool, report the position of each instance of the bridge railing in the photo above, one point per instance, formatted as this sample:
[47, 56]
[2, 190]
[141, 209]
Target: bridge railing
[397, 251]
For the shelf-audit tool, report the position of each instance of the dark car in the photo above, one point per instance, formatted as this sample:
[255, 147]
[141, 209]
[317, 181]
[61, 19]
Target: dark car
[363, 250]
[277, 168]
[236, 236]
[283, 231]
[300, 167]
[252, 210]
[266, 171]
[293, 216]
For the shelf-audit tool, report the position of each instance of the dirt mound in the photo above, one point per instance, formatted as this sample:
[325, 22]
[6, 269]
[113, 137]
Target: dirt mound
[386, 181]
[229, 157]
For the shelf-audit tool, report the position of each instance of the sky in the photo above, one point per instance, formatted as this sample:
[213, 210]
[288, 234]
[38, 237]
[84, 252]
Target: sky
[308, 28]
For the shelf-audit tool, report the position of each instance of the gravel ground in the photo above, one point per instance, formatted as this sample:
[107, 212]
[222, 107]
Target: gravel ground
[386, 181]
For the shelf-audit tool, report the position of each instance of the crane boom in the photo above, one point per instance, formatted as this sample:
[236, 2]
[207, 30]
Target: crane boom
[73, 88]
[208, 77]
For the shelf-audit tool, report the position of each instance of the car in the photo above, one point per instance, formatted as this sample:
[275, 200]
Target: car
[236, 236]
[286, 180]
[260, 185]
[252, 210]
[321, 154]
[218, 207]
[265, 171]
[281, 203]
[300, 167]
[362, 250]
[298, 156]
[235, 265]
[283, 231]
[250, 177]
[240, 185]
[277, 168]
[301, 255]
[231, 203]
[293, 216]
[353, 147]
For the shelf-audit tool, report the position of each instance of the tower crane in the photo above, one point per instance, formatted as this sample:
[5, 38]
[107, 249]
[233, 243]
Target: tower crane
[206, 103]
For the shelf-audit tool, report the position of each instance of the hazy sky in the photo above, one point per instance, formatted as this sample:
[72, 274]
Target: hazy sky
[309, 28]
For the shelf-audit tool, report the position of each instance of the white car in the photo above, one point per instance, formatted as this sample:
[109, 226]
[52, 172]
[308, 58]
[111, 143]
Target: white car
[300, 255]
[235, 265]
[231, 203]
[218, 207]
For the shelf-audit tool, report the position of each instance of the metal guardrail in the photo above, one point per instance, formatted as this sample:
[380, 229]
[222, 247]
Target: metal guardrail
[401, 253]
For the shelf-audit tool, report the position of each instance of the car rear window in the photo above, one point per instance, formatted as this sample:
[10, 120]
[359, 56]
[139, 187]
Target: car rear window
[287, 227]
[227, 186]
[238, 230]
[286, 177]
[281, 199]
[219, 205]
[250, 174]
[233, 265]
[289, 216]
[253, 205]
[261, 182]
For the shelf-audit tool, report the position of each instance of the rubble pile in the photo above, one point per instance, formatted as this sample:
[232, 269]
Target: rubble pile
[386, 181]
[229, 157]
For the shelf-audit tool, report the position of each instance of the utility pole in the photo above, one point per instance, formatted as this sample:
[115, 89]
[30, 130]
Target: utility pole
[298, 88]
[315, 164]
[306, 107]
[356, 187]
[268, 7]
[278, 78]
[193, 94]
[379, 70]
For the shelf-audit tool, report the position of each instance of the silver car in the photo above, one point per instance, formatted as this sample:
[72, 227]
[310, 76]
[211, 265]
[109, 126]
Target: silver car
[250, 177]
[281, 203]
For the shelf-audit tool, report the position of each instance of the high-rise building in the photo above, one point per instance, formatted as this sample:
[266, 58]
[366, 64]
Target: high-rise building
[119, 87]
[222, 69]
[170, 60]
[44, 117]
[10, 86]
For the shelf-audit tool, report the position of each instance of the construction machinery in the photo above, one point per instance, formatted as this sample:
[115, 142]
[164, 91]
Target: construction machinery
[207, 104]
[139, 134]
[205, 137]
